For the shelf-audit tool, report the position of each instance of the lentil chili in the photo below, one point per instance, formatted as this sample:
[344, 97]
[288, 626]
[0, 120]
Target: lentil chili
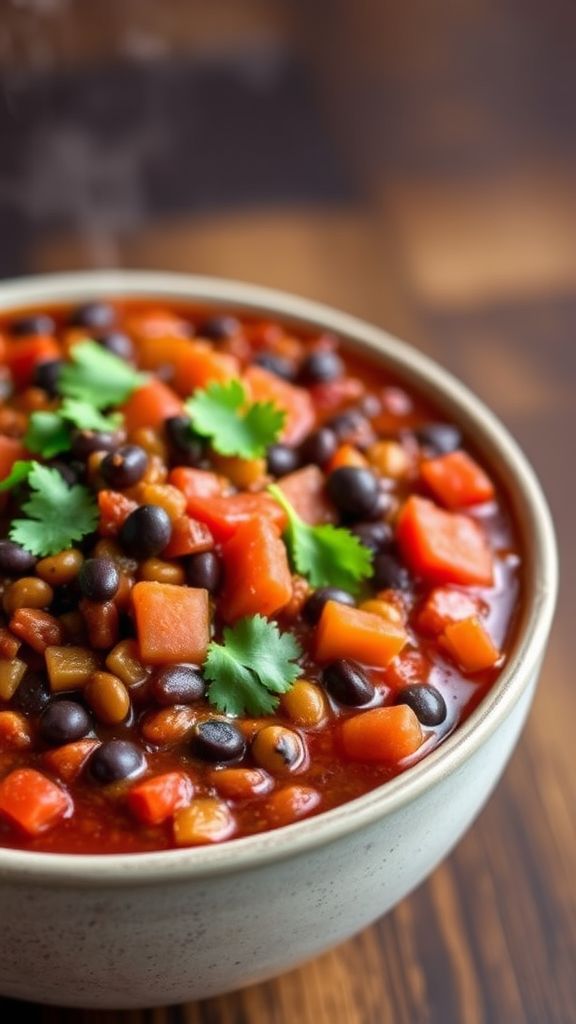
[246, 576]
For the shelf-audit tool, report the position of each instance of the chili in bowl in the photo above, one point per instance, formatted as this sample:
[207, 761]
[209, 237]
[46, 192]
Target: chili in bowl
[259, 564]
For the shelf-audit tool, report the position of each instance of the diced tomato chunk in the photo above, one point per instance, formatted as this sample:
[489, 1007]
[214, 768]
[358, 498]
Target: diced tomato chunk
[114, 510]
[457, 480]
[68, 761]
[25, 354]
[172, 622]
[470, 645]
[197, 483]
[223, 515]
[306, 492]
[33, 802]
[150, 405]
[443, 547]
[296, 402]
[189, 537]
[444, 605]
[155, 800]
[257, 574]
[200, 365]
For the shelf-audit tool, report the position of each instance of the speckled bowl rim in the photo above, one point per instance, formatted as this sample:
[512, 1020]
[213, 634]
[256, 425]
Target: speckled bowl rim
[532, 516]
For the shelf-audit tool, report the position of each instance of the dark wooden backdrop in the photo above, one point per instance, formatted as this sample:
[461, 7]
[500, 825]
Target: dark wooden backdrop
[414, 164]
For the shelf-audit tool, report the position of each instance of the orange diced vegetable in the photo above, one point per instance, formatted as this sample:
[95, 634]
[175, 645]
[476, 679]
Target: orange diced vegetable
[24, 355]
[172, 622]
[407, 668]
[224, 515]
[297, 403]
[162, 349]
[291, 803]
[114, 510]
[150, 405]
[37, 628]
[443, 547]
[155, 322]
[69, 668]
[10, 451]
[32, 802]
[381, 735]
[15, 732]
[204, 821]
[257, 574]
[198, 483]
[168, 726]
[68, 761]
[240, 783]
[155, 800]
[445, 605]
[457, 480]
[306, 492]
[345, 632]
[470, 645]
[200, 365]
[189, 537]
[347, 455]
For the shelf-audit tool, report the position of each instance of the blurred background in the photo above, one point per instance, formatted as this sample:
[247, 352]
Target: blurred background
[411, 163]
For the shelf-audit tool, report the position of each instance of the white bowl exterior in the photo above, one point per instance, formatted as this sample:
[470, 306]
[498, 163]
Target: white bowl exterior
[154, 929]
[164, 943]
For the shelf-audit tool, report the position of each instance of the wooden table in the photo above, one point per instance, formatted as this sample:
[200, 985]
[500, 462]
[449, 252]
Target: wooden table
[424, 179]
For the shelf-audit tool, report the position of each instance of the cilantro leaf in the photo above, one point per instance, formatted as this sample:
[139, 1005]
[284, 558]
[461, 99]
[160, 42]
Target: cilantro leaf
[254, 663]
[17, 475]
[87, 417]
[47, 434]
[97, 376]
[58, 515]
[328, 556]
[234, 425]
[50, 433]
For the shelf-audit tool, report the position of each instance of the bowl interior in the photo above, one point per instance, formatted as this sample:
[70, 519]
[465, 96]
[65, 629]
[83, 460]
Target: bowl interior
[494, 444]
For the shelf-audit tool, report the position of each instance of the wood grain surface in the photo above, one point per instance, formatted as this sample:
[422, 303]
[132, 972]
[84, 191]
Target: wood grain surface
[445, 210]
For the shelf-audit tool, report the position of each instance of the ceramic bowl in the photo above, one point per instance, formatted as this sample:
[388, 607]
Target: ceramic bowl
[158, 928]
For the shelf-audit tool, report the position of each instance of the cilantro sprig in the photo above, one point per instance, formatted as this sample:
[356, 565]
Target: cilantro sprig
[97, 377]
[235, 426]
[50, 433]
[18, 474]
[58, 515]
[254, 664]
[328, 556]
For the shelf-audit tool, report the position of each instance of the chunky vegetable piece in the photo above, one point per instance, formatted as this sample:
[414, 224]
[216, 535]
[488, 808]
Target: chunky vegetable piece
[245, 576]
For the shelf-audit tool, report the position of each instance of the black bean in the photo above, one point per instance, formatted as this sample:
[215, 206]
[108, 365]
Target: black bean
[116, 760]
[204, 570]
[426, 702]
[354, 491]
[389, 573]
[99, 579]
[320, 367]
[376, 536]
[217, 741]
[15, 560]
[32, 323]
[178, 684]
[124, 467]
[347, 425]
[384, 503]
[84, 442]
[145, 532]
[218, 328]
[119, 344]
[315, 604]
[32, 695]
[47, 375]
[282, 459]
[347, 682]
[186, 447]
[64, 721]
[439, 438]
[97, 316]
[319, 447]
[277, 365]
[71, 472]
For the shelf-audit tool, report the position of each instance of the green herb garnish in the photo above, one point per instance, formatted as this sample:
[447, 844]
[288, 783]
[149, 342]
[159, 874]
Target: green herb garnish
[97, 377]
[253, 664]
[17, 475]
[50, 433]
[234, 425]
[59, 515]
[328, 556]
